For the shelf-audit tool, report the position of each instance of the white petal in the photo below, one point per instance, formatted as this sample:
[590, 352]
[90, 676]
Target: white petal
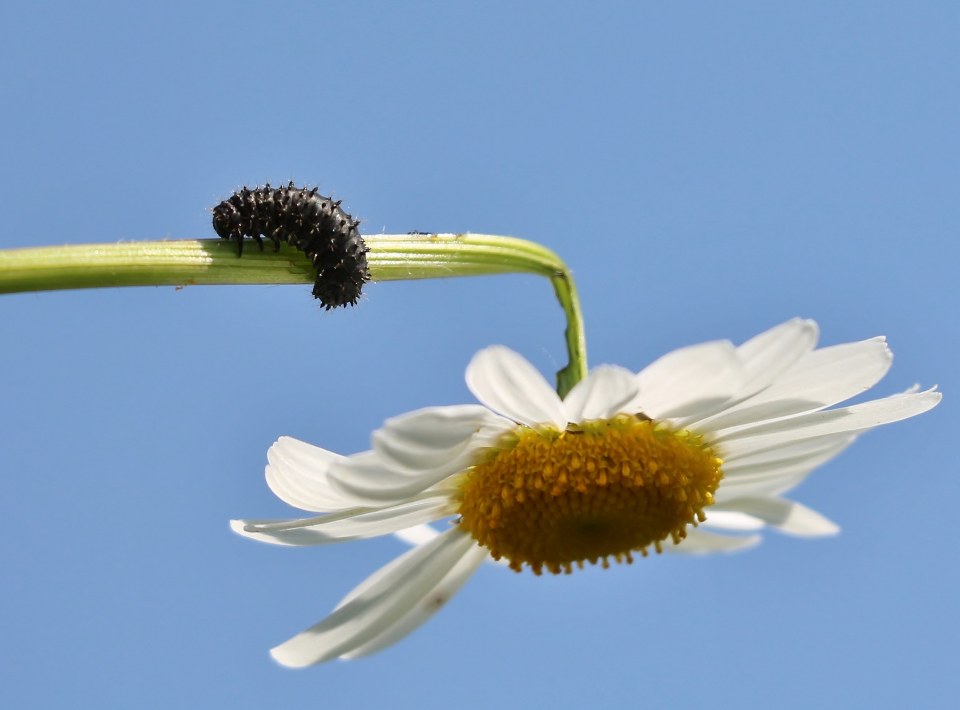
[509, 385]
[347, 525]
[699, 542]
[430, 438]
[730, 520]
[364, 477]
[781, 469]
[602, 394]
[428, 606]
[733, 460]
[785, 515]
[770, 487]
[420, 534]
[835, 421]
[417, 535]
[765, 358]
[690, 380]
[383, 601]
[821, 379]
[297, 473]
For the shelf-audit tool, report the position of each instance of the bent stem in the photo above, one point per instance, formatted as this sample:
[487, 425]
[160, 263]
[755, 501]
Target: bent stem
[214, 261]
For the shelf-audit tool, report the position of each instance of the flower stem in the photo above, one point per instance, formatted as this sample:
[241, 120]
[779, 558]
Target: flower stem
[214, 261]
[441, 255]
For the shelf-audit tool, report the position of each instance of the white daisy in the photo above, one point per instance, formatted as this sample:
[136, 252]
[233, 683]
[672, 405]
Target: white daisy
[707, 437]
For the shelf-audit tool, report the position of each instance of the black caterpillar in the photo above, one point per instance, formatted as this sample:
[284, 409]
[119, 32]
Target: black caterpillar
[312, 223]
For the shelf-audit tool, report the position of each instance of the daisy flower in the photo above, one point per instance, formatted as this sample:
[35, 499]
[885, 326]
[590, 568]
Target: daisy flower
[708, 437]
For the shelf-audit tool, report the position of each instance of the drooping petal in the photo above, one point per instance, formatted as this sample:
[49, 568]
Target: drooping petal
[298, 474]
[698, 542]
[428, 439]
[509, 385]
[379, 604]
[432, 602]
[805, 447]
[779, 469]
[388, 571]
[821, 379]
[602, 394]
[691, 380]
[731, 520]
[734, 461]
[858, 417]
[785, 515]
[417, 535]
[348, 525]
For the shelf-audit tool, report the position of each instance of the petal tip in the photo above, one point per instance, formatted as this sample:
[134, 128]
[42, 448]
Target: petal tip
[288, 659]
[238, 526]
[749, 543]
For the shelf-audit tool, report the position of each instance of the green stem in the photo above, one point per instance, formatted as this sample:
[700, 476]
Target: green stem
[214, 261]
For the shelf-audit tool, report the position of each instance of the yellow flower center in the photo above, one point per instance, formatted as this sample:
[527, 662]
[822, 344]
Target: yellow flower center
[551, 499]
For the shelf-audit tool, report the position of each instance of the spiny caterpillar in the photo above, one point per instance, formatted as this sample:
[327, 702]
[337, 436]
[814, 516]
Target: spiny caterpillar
[312, 223]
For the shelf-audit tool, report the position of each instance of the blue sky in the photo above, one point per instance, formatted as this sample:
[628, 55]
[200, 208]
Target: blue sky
[706, 169]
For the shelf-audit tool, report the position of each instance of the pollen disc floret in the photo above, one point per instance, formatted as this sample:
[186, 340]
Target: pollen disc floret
[551, 499]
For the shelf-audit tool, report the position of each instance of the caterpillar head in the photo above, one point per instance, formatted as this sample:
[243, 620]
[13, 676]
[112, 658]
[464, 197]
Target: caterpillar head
[226, 221]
